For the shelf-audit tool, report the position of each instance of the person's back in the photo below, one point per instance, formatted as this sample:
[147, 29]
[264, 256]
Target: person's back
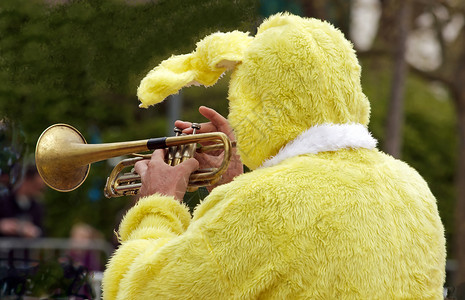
[350, 224]
[322, 214]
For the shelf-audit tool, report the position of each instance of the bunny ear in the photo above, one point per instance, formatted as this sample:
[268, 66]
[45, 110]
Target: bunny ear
[214, 55]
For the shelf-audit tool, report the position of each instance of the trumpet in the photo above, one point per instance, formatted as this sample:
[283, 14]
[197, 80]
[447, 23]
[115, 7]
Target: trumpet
[63, 158]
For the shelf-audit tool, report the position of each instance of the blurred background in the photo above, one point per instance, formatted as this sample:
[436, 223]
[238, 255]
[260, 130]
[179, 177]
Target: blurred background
[80, 62]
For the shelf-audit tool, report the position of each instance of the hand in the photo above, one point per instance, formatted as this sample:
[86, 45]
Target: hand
[159, 177]
[15, 227]
[29, 230]
[9, 226]
[212, 160]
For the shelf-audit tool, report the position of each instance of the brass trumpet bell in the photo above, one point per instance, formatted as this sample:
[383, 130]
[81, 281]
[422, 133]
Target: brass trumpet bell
[63, 158]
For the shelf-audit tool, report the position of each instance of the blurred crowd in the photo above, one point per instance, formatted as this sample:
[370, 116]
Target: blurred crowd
[21, 211]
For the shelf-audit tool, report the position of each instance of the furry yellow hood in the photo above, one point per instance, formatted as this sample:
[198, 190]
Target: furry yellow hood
[295, 74]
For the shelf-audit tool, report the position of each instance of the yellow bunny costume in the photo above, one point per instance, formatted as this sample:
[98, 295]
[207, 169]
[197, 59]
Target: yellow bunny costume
[323, 214]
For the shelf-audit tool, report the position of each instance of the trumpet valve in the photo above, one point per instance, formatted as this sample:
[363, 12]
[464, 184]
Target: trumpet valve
[195, 127]
[189, 149]
[171, 153]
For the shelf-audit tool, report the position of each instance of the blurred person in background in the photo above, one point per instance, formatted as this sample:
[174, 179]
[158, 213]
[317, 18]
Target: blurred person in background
[21, 212]
[83, 235]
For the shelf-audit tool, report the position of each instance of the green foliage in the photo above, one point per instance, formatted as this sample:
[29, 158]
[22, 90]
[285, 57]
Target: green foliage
[431, 144]
[80, 63]
[83, 61]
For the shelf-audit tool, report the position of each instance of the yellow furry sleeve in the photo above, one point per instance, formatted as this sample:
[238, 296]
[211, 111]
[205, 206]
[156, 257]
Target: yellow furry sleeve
[157, 257]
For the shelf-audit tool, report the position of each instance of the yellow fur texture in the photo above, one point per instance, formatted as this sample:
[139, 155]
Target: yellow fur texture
[351, 223]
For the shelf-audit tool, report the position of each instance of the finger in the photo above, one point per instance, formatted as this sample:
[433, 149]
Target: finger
[204, 127]
[208, 161]
[217, 120]
[158, 155]
[141, 166]
[182, 124]
[211, 114]
[217, 123]
[189, 165]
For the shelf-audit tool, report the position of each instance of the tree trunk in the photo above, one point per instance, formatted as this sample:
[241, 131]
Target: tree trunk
[314, 9]
[337, 12]
[459, 97]
[395, 118]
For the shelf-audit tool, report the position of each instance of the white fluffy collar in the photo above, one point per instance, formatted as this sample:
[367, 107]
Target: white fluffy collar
[326, 137]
